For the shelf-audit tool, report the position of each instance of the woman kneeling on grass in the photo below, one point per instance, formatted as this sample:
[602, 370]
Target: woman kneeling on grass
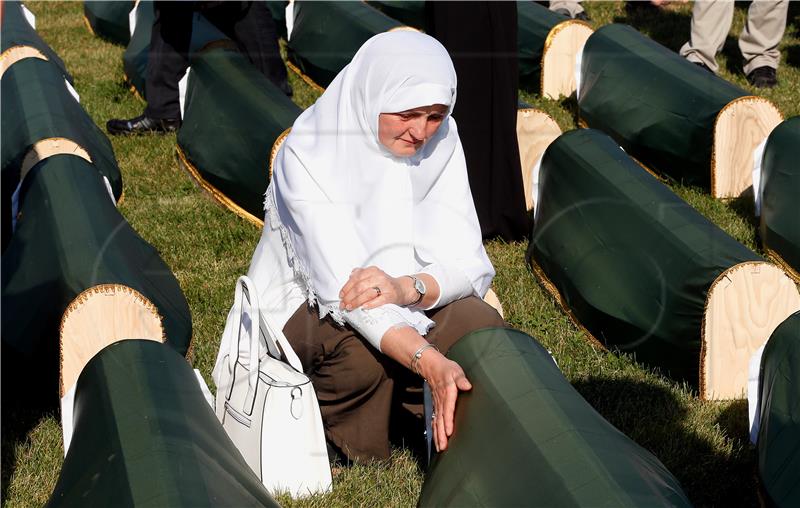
[369, 218]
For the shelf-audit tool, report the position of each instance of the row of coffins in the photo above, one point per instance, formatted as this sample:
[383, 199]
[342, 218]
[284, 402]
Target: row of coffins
[643, 272]
[61, 183]
[257, 103]
[679, 359]
[674, 117]
[324, 36]
[143, 433]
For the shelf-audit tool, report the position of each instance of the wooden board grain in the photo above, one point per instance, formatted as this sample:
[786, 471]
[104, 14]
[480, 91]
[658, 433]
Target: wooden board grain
[98, 317]
[739, 128]
[558, 58]
[48, 147]
[743, 307]
[15, 54]
[535, 131]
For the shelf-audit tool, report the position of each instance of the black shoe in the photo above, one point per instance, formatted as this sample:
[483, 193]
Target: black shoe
[142, 124]
[763, 77]
[703, 66]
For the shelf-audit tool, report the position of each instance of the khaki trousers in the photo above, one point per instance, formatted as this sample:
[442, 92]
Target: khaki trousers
[758, 42]
[363, 394]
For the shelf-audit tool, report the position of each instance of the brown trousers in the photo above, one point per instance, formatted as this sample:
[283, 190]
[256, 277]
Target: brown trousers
[360, 391]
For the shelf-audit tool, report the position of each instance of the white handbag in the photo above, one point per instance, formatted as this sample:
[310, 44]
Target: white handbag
[268, 407]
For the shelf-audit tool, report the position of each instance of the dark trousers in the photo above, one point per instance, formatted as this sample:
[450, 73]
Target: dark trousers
[249, 24]
[481, 38]
[365, 396]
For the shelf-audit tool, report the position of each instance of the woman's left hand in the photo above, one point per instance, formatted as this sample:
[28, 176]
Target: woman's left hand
[360, 290]
[446, 378]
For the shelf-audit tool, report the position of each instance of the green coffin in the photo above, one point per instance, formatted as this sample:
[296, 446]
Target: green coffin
[326, 36]
[524, 437]
[277, 10]
[134, 60]
[629, 260]
[16, 31]
[780, 184]
[109, 19]
[37, 106]
[534, 23]
[71, 237]
[779, 428]
[408, 12]
[145, 436]
[232, 117]
[658, 106]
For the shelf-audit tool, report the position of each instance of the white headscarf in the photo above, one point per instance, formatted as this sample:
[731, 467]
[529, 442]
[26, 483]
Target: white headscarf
[344, 201]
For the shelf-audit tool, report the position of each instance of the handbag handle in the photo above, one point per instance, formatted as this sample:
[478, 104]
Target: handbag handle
[245, 291]
[274, 335]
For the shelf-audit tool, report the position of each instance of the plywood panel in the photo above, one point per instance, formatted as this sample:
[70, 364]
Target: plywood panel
[740, 127]
[100, 316]
[744, 306]
[535, 131]
[17, 53]
[558, 59]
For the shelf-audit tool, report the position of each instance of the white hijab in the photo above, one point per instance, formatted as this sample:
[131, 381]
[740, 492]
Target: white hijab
[344, 201]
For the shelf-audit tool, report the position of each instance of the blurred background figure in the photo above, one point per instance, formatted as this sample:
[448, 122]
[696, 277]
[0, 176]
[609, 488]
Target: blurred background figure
[249, 24]
[569, 8]
[758, 42]
[481, 38]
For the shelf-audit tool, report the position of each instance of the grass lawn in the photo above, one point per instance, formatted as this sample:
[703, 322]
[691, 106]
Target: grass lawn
[705, 444]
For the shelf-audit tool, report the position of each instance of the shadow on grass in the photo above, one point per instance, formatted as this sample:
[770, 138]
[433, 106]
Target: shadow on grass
[745, 207]
[656, 419]
[793, 56]
[28, 395]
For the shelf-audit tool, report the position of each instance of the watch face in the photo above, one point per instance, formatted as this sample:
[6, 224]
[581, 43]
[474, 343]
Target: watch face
[419, 286]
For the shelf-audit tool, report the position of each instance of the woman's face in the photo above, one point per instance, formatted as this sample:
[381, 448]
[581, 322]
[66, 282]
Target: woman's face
[405, 132]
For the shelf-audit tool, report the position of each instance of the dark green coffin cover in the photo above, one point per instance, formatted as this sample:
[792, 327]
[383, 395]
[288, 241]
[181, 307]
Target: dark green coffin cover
[779, 431]
[144, 436]
[408, 12]
[524, 437]
[36, 106]
[780, 181]
[233, 115]
[109, 19]
[632, 261]
[277, 9]
[16, 31]
[69, 238]
[534, 23]
[326, 36]
[134, 60]
[657, 105]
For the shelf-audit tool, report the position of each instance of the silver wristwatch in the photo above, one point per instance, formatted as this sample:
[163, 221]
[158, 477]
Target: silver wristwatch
[419, 286]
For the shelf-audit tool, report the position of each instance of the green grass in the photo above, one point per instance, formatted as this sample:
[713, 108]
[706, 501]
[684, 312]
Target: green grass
[703, 443]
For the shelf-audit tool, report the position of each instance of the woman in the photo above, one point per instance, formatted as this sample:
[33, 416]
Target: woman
[369, 218]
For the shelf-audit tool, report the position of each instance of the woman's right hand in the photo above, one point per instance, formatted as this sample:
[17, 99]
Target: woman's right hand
[446, 378]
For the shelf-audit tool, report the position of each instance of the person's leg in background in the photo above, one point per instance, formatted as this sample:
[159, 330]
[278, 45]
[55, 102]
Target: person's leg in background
[711, 22]
[250, 24]
[167, 61]
[766, 23]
